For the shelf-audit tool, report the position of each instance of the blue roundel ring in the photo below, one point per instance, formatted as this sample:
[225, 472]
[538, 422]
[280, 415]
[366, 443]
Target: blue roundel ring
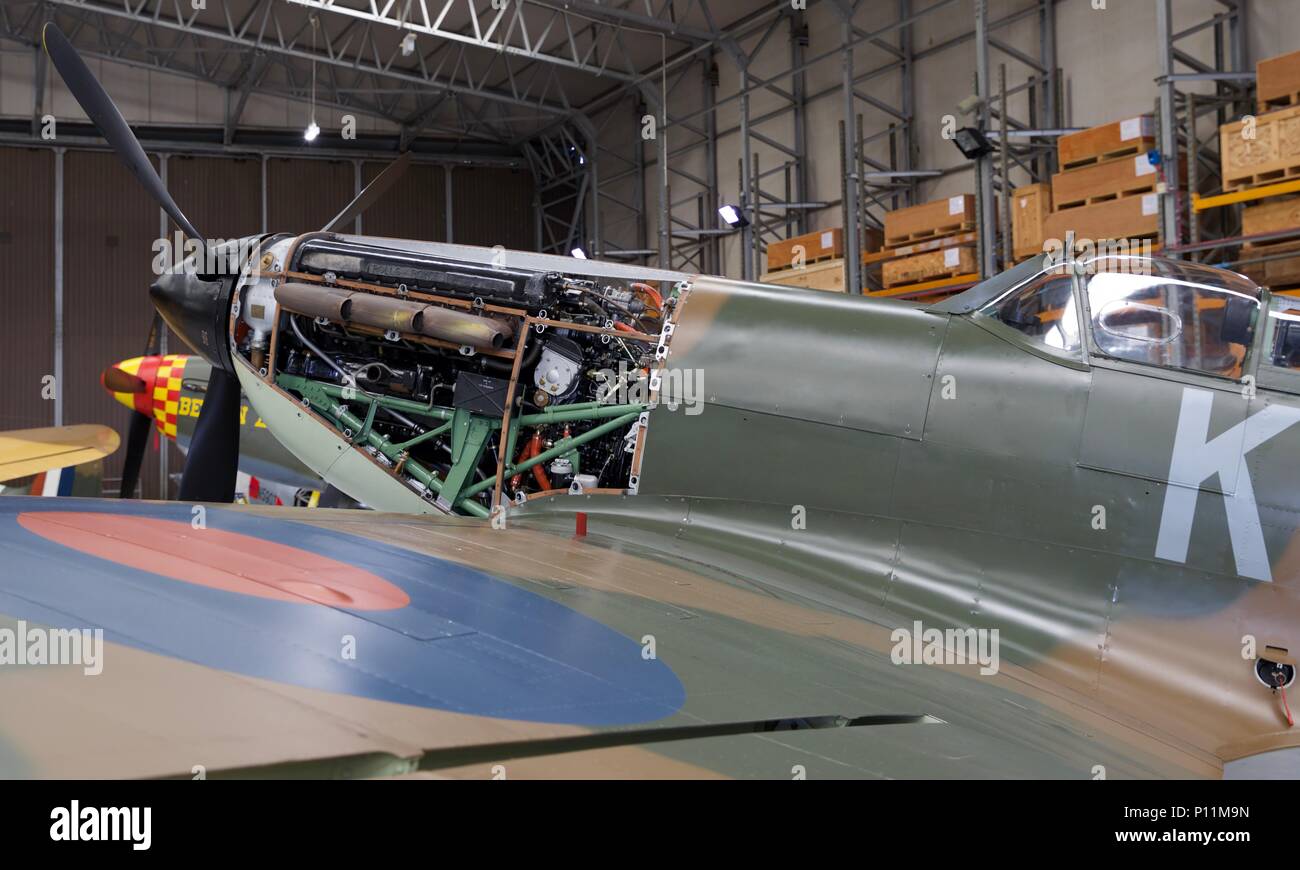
[467, 642]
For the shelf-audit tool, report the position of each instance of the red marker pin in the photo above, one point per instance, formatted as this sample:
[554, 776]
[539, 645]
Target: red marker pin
[580, 525]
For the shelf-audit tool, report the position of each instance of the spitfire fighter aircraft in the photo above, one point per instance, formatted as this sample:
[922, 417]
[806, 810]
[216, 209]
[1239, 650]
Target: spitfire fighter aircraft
[641, 523]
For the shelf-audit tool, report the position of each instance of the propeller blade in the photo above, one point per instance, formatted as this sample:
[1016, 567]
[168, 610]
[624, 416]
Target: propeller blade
[370, 194]
[97, 105]
[137, 438]
[213, 460]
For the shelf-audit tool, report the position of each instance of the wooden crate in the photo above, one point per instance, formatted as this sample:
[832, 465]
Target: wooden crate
[1133, 217]
[1277, 82]
[1271, 216]
[930, 220]
[1030, 207]
[817, 246]
[1130, 136]
[948, 263]
[1109, 179]
[1274, 274]
[826, 275]
[1272, 155]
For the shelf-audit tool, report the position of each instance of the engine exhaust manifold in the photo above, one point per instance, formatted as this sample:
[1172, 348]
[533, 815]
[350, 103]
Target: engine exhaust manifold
[400, 315]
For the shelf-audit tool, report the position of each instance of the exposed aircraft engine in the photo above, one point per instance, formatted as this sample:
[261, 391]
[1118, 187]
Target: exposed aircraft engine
[463, 380]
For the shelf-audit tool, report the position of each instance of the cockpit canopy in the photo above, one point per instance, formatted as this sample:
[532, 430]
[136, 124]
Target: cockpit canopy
[1138, 309]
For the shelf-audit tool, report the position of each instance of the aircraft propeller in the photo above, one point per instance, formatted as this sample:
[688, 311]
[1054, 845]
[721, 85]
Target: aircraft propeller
[212, 463]
[186, 303]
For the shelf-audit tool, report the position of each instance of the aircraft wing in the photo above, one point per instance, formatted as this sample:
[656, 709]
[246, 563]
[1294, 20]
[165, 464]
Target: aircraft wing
[283, 642]
[31, 451]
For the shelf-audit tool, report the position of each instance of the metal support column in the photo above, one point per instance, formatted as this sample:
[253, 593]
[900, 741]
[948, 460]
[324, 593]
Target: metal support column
[852, 233]
[59, 154]
[798, 26]
[712, 254]
[748, 197]
[1169, 213]
[987, 216]
[447, 204]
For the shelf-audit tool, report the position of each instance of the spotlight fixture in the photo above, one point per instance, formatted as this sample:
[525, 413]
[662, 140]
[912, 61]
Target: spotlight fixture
[578, 253]
[408, 45]
[973, 143]
[733, 217]
[312, 131]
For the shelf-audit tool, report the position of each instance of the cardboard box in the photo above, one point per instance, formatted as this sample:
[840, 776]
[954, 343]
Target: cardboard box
[1261, 150]
[1133, 217]
[1030, 207]
[930, 220]
[1118, 138]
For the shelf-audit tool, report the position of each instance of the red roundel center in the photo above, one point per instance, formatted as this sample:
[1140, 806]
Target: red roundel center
[217, 559]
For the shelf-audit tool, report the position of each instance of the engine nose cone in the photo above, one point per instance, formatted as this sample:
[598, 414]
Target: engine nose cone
[148, 385]
[197, 310]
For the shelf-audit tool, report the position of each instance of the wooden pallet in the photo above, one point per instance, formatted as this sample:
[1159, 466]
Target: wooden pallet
[1140, 146]
[939, 232]
[1285, 101]
[1263, 179]
[1107, 197]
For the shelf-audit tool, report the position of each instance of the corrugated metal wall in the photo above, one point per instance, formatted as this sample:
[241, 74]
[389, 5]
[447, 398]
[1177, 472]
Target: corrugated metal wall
[415, 208]
[27, 263]
[302, 195]
[221, 196]
[111, 225]
[492, 207]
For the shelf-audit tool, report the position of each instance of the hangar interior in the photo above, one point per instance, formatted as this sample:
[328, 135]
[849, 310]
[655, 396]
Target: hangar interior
[610, 130]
